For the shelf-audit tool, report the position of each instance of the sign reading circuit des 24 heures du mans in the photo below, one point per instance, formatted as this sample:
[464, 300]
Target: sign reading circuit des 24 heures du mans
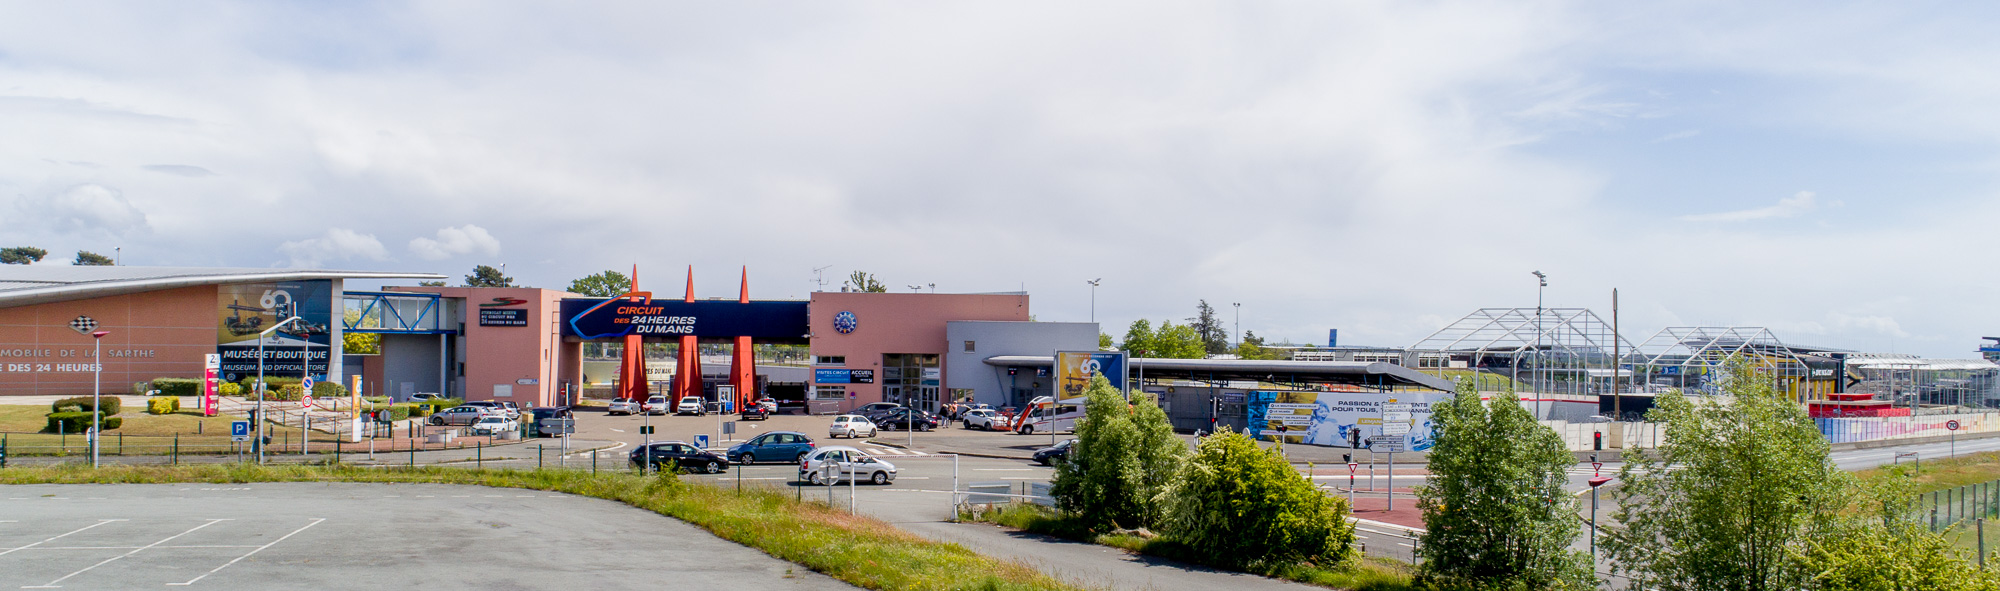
[645, 317]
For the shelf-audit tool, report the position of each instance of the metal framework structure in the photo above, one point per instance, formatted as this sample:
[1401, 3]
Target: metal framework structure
[1545, 350]
[1693, 359]
[387, 312]
[1926, 385]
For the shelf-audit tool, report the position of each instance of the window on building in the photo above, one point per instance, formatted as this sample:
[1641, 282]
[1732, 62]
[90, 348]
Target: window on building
[968, 346]
[830, 360]
[830, 393]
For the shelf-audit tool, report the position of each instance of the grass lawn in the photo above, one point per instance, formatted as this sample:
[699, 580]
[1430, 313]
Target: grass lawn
[1363, 574]
[1943, 473]
[860, 550]
[140, 434]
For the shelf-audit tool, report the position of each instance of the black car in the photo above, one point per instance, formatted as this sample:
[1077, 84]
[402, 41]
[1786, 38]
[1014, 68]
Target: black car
[901, 418]
[1049, 456]
[754, 411]
[542, 413]
[678, 455]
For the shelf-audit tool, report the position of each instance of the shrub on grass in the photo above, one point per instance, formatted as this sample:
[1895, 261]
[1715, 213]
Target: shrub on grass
[77, 422]
[376, 399]
[399, 412]
[1124, 457]
[329, 390]
[141, 388]
[229, 389]
[177, 386]
[163, 405]
[1241, 506]
[83, 404]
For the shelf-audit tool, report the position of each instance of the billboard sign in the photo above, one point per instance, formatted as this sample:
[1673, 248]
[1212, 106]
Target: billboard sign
[503, 317]
[640, 314]
[843, 376]
[1074, 369]
[300, 348]
[1329, 418]
[211, 384]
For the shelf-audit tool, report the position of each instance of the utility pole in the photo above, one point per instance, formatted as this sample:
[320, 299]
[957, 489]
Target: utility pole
[1617, 364]
[1536, 375]
[1093, 297]
[1239, 324]
[97, 394]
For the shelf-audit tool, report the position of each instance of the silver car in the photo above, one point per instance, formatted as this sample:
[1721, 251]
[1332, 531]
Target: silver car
[463, 415]
[844, 462]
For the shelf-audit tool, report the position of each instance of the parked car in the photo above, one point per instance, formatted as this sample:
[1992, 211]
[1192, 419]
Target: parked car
[849, 462]
[691, 405]
[494, 425]
[539, 414]
[851, 426]
[504, 408]
[622, 406]
[1049, 456]
[680, 455]
[654, 405]
[754, 411]
[906, 418]
[422, 396]
[875, 407]
[782, 446]
[462, 415]
[983, 418]
[770, 405]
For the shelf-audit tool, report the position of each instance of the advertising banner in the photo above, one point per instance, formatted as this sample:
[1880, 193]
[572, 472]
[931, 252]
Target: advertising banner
[647, 317]
[1334, 418]
[296, 350]
[843, 376]
[1074, 370]
[503, 317]
[211, 384]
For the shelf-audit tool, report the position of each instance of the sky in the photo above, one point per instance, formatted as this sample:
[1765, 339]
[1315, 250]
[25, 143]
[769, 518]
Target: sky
[1824, 169]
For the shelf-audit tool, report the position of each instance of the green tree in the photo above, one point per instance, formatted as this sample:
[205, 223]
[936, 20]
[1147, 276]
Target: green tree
[1099, 484]
[609, 284]
[1495, 512]
[21, 255]
[1750, 484]
[1178, 342]
[85, 258]
[485, 276]
[1253, 347]
[1208, 327]
[359, 343]
[1139, 339]
[1879, 542]
[430, 284]
[1238, 505]
[1160, 455]
[1104, 342]
[862, 281]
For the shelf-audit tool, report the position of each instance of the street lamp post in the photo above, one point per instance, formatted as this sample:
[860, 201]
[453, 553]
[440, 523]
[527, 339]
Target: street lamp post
[1538, 376]
[305, 363]
[97, 394]
[1093, 297]
[1239, 324]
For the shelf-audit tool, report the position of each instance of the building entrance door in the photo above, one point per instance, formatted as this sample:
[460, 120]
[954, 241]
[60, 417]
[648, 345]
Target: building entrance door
[927, 398]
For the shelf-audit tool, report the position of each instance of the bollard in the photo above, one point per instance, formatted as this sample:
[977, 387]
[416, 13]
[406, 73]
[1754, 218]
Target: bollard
[336, 447]
[121, 443]
[593, 461]
[413, 454]
[177, 448]
[540, 450]
[479, 455]
[1981, 525]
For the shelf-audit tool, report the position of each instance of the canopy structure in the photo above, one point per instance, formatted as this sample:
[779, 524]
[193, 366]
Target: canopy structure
[1548, 350]
[1344, 374]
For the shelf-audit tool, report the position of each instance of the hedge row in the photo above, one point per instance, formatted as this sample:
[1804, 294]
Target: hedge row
[83, 404]
[77, 422]
[163, 405]
[177, 386]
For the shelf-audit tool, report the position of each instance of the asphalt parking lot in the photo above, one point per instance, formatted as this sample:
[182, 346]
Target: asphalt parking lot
[349, 536]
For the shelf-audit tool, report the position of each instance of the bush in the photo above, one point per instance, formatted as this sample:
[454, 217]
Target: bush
[1245, 507]
[177, 386]
[417, 409]
[229, 389]
[432, 407]
[376, 399]
[163, 405]
[1124, 457]
[82, 404]
[399, 412]
[271, 383]
[329, 390]
[76, 422]
[287, 392]
[142, 388]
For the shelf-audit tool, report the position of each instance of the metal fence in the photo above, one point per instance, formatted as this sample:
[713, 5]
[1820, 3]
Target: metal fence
[1950, 507]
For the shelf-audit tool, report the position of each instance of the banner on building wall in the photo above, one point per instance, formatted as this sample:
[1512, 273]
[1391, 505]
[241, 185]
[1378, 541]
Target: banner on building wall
[1335, 418]
[295, 350]
[1074, 369]
[651, 318]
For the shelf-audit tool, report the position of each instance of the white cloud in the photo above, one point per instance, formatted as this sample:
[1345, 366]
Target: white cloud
[88, 209]
[1792, 206]
[451, 242]
[337, 244]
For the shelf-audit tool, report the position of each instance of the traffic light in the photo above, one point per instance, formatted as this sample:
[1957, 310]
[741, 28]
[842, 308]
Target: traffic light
[1346, 458]
[1597, 441]
[1354, 438]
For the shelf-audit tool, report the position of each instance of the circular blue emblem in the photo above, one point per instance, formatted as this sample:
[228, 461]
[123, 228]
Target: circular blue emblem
[845, 322]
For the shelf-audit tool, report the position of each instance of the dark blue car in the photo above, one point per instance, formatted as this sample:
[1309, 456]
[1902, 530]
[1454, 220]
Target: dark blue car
[776, 446]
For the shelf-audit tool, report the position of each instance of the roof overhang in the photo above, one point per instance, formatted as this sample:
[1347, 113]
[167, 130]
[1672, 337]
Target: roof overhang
[1321, 372]
[27, 285]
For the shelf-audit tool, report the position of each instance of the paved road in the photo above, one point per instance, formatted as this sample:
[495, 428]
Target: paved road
[348, 536]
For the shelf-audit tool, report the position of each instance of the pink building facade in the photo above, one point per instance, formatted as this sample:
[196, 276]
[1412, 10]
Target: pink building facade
[890, 347]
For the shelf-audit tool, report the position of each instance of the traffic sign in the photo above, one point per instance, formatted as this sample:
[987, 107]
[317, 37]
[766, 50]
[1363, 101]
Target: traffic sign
[1388, 443]
[1951, 424]
[1350, 468]
[701, 441]
[239, 431]
[1389, 407]
[1401, 428]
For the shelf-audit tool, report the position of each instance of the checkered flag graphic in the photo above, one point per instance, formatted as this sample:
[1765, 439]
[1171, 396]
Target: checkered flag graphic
[83, 324]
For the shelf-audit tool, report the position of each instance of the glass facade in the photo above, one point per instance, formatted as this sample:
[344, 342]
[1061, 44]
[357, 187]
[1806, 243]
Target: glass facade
[911, 379]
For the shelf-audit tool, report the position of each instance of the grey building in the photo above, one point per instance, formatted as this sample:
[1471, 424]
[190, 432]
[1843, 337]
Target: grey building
[969, 343]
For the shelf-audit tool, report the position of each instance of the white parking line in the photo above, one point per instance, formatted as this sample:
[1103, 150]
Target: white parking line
[52, 584]
[99, 522]
[247, 554]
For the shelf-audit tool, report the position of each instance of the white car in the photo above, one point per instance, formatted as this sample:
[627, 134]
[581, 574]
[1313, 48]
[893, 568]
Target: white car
[622, 406]
[850, 426]
[493, 425]
[982, 418]
[769, 405]
[656, 405]
[846, 461]
[691, 405]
